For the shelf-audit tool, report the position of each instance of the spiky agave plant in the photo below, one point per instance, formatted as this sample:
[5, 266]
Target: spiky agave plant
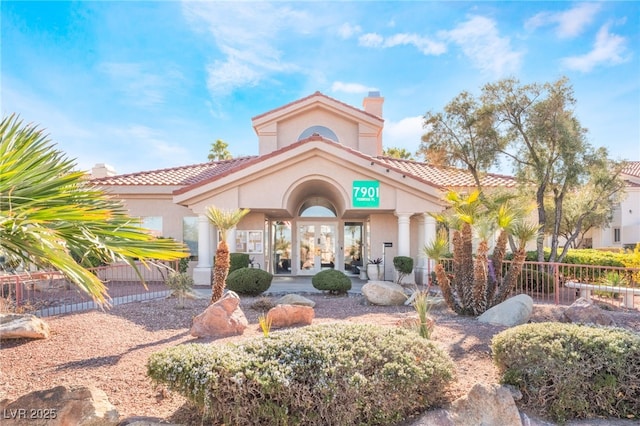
[224, 220]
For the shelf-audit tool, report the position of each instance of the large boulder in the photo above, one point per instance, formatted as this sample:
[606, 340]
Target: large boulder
[22, 326]
[384, 293]
[221, 319]
[513, 311]
[485, 404]
[583, 311]
[295, 299]
[62, 406]
[290, 315]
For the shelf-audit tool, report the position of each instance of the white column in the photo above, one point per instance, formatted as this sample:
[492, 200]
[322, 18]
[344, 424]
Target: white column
[404, 235]
[202, 271]
[231, 240]
[404, 243]
[421, 259]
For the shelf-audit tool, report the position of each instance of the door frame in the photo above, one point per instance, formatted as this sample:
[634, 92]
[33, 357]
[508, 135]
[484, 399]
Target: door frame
[317, 230]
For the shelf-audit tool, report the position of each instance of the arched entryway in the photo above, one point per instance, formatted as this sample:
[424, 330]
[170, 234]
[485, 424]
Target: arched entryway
[315, 236]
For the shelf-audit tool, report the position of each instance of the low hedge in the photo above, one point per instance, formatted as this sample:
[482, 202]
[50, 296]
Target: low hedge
[249, 281]
[570, 371]
[331, 280]
[238, 261]
[340, 374]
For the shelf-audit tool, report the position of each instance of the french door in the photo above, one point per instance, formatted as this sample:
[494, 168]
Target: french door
[317, 244]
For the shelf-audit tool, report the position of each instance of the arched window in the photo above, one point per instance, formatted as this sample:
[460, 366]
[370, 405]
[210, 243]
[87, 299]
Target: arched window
[320, 130]
[317, 207]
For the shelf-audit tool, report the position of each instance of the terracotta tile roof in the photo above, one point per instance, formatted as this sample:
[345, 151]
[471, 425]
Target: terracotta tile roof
[196, 175]
[175, 176]
[446, 177]
[632, 169]
[317, 93]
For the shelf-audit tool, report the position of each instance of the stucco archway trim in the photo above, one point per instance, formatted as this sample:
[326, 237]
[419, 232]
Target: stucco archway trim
[316, 185]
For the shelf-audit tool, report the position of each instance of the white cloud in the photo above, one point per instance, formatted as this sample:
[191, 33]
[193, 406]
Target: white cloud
[405, 133]
[353, 88]
[246, 34]
[570, 23]
[138, 85]
[481, 43]
[423, 44]
[347, 30]
[609, 49]
[371, 40]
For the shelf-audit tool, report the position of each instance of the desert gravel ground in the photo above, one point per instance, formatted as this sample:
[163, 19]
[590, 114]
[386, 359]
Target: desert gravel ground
[110, 349]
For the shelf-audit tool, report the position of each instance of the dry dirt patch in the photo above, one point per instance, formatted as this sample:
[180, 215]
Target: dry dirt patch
[110, 349]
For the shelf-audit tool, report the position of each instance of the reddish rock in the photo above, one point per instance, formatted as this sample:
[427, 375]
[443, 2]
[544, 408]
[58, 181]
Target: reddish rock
[221, 319]
[290, 315]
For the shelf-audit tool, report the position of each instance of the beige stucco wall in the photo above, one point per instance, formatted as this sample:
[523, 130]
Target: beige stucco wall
[144, 201]
[354, 128]
[290, 129]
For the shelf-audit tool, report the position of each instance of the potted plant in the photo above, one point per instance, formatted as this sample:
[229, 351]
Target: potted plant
[375, 270]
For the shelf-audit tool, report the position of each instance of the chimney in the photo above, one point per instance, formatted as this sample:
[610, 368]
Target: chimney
[102, 170]
[373, 103]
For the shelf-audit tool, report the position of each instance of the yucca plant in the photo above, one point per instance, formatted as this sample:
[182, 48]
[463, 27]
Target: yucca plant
[478, 283]
[265, 324]
[224, 220]
[51, 215]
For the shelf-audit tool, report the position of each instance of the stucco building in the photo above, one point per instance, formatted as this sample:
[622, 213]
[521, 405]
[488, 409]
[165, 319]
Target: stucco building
[321, 194]
[624, 229]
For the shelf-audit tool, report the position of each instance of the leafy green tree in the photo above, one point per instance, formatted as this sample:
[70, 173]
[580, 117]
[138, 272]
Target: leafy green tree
[51, 215]
[224, 220]
[219, 151]
[547, 144]
[400, 153]
[461, 136]
[534, 126]
[592, 204]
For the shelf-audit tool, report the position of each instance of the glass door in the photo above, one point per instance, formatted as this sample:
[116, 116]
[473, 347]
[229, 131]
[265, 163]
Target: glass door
[352, 247]
[316, 247]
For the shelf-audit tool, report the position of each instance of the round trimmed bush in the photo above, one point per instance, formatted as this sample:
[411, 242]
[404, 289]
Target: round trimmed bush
[328, 374]
[570, 370]
[249, 281]
[335, 282]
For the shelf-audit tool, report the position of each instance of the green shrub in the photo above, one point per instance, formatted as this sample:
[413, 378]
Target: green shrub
[572, 371]
[181, 285]
[249, 281]
[335, 282]
[238, 261]
[403, 265]
[329, 374]
[183, 265]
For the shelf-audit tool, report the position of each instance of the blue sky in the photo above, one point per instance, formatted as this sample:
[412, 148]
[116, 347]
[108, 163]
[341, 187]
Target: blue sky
[146, 85]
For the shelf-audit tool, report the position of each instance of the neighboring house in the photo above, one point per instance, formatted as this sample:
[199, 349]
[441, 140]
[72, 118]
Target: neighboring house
[320, 192]
[624, 230]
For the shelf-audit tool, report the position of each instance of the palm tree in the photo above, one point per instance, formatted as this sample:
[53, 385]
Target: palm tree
[51, 215]
[224, 220]
[478, 282]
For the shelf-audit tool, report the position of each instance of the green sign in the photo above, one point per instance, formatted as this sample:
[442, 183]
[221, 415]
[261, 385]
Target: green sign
[366, 193]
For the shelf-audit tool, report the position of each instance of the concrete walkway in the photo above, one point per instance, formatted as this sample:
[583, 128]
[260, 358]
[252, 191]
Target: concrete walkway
[299, 285]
